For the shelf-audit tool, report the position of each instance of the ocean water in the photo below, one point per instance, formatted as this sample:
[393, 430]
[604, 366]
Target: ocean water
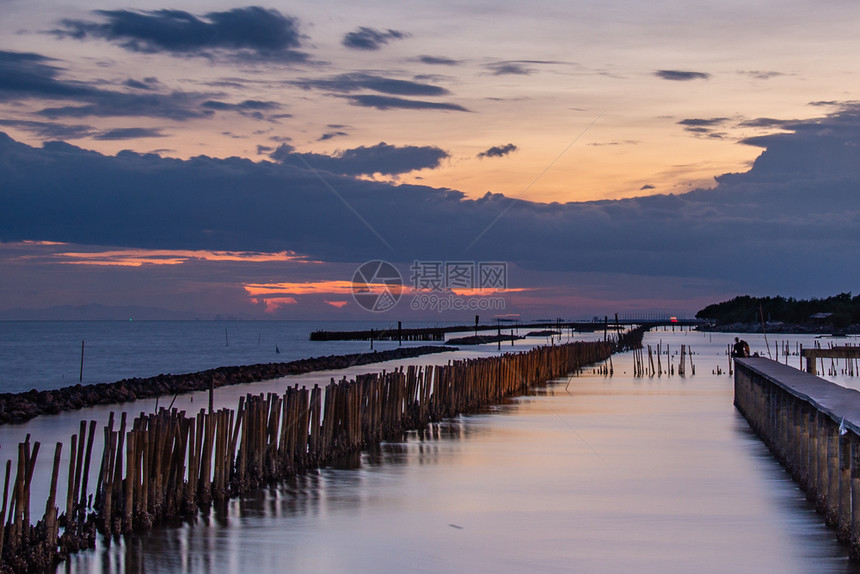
[591, 474]
[47, 354]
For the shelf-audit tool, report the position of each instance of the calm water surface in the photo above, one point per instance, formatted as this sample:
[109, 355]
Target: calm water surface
[603, 475]
[47, 354]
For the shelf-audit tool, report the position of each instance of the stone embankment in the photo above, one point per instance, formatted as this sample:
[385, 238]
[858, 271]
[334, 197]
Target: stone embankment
[21, 407]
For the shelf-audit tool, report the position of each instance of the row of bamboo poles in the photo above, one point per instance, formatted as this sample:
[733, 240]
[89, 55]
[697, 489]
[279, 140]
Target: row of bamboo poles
[169, 465]
[850, 365]
[647, 367]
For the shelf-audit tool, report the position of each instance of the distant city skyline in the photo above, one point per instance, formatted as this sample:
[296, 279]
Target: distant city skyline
[236, 160]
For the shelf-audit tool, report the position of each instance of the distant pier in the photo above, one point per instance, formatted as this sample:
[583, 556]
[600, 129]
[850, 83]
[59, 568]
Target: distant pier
[812, 426]
[397, 333]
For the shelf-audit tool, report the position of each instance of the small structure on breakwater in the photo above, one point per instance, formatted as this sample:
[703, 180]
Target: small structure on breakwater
[812, 426]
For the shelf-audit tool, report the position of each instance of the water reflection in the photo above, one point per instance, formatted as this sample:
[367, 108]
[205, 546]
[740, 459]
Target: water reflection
[595, 474]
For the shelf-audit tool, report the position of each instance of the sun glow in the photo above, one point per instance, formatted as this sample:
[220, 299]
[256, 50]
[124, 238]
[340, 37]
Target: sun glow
[141, 257]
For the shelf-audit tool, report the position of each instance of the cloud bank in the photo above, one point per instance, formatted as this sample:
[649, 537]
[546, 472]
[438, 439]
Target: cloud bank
[26, 76]
[498, 151]
[393, 103]
[353, 82]
[681, 75]
[365, 160]
[789, 221]
[370, 38]
[250, 33]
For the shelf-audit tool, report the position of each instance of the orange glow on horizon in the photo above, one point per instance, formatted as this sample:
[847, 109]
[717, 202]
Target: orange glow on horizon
[141, 257]
[341, 287]
[275, 303]
[337, 287]
[477, 292]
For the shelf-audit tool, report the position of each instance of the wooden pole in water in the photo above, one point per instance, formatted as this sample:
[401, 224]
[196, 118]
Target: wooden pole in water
[86, 472]
[5, 505]
[761, 313]
[70, 490]
[81, 377]
[50, 507]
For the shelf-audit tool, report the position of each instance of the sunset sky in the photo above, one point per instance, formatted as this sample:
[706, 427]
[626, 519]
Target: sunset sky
[235, 160]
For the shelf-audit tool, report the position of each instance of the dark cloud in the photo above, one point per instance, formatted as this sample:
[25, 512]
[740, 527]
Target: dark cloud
[179, 106]
[703, 122]
[370, 38]
[32, 76]
[625, 142]
[365, 160]
[498, 151]
[247, 105]
[354, 82]
[509, 68]
[518, 67]
[389, 103]
[646, 187]
[839, 105]
[760, 75]
[51, 130]
[248, 108]
[798, 202]
[331, 135]
[130, 134]
[704, 127]
[767, 123]
[250, 33]
[681, 75]
[146, 84]
[438, 61]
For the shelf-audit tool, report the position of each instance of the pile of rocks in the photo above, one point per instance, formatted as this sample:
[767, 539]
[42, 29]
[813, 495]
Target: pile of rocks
[20, 407]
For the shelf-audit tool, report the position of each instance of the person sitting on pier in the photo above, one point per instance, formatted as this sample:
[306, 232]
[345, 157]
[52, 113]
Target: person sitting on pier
[740, 348]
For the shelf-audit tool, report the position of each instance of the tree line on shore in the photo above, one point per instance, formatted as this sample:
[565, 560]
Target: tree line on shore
[838, 311]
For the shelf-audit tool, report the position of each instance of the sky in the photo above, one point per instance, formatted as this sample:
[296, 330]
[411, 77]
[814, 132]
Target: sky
[550, 159]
